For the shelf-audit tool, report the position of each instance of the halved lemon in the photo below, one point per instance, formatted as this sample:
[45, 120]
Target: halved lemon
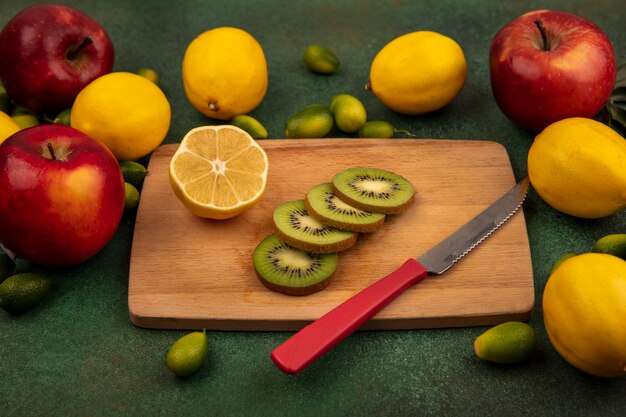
[218, 172]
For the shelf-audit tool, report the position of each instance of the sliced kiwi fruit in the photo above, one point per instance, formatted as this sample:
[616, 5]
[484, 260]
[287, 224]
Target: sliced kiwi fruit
[374, 189]
[323, 204]
[294, 225]
[288, 270]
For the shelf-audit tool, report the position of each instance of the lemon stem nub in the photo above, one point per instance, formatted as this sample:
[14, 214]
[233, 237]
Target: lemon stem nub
[213, 106]
[51, 150]
[544, 37]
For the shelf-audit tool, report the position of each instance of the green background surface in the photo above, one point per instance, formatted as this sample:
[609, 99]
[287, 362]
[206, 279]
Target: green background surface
[78, 354]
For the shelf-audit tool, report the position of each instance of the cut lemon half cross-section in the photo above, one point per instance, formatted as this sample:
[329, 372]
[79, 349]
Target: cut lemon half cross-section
[218, 171]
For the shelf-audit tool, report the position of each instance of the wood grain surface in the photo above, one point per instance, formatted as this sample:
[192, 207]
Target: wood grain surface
[190, 273]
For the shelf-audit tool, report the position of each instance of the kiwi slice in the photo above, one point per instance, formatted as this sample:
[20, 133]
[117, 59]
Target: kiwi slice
[323, 204]
[288, 270]
[374, 189]
[294, 225]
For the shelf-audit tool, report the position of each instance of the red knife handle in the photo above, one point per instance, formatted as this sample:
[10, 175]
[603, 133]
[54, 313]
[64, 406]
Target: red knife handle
[310, 343]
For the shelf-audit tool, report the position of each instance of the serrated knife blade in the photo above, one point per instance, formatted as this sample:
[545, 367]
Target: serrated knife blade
[443, 255]
[314, 340]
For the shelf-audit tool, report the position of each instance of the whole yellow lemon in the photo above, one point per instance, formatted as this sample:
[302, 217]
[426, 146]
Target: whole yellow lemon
[224, 73]
[7, 126]
[584, 310]
[418, 72]
[577, 166]
[126, 112]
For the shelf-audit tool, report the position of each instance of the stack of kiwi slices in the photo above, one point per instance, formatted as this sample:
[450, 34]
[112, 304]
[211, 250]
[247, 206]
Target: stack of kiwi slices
[301, 256]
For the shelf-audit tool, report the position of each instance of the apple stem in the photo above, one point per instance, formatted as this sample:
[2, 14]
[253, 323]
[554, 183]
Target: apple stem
[51, 150]
[75, 50]
[544, 37]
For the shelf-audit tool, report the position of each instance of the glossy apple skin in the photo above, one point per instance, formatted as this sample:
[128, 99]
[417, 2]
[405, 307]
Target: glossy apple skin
[534, 87]
[34, 64]
[58, 212]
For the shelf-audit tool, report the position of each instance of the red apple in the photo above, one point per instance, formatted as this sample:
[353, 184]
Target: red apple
[48, 53]
[549, 65]
[61, 195]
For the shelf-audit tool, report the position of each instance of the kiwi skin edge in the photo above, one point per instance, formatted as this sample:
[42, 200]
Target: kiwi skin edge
[297, 291]
[359, 228]
[312, 247]
[374, 209]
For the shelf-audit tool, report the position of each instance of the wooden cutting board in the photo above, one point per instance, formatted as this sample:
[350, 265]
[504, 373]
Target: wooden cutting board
[190, 273]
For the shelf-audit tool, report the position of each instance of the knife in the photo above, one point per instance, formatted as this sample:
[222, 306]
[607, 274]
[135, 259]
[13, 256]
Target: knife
[317, 338]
